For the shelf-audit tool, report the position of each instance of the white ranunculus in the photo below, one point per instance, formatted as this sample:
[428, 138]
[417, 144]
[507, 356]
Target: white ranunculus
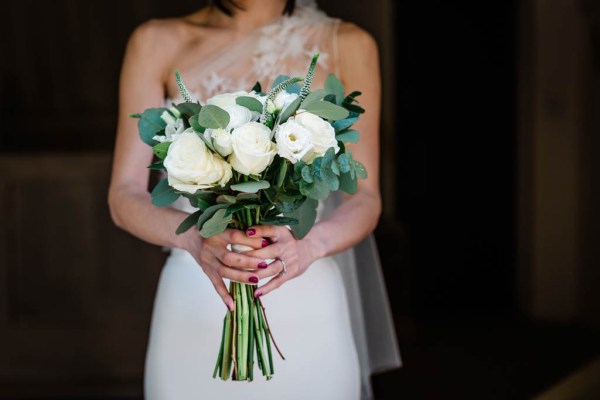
[282, 100]
[221, 140]
[322, 134]
[238, 116]
[191, 165]
[293, 141]
[253, 149]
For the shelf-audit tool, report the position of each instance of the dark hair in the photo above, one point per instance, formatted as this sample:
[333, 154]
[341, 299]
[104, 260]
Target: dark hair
[227, 6]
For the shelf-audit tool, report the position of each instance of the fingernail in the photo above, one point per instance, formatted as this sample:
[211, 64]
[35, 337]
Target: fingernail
[251, 232]
[230, 307]
[262, 264]
[265, 243]
[257, 294]
[253, 279]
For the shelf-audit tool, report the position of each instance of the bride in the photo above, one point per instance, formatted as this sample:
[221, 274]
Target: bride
[315, 309]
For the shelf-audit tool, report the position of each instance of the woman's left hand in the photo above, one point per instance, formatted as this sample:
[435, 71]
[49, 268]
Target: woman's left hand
[296, 254]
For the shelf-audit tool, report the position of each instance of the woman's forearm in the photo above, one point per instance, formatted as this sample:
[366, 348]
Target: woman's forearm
[351, 222]
[134, 212]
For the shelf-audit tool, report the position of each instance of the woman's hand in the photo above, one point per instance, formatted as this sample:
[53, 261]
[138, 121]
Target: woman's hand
[298, 255]
[217, 261]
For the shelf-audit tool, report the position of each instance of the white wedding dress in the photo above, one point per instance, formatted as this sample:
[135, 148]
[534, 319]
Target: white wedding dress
[309, 316]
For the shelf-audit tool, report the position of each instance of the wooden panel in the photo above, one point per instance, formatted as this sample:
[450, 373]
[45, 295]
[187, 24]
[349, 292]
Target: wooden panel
[75, 292]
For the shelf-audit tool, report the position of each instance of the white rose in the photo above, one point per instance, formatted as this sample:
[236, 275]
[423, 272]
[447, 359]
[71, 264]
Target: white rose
[226, 99]
[221, 140]
[238, 116]
[282, 100]
[191, 165]
[322, 134]
[253, 149]
[293, 141]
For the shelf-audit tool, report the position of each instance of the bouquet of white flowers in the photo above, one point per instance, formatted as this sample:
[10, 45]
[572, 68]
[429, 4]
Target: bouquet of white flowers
[250, 158]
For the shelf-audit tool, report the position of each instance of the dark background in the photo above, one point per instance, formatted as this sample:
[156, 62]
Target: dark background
[488, 237]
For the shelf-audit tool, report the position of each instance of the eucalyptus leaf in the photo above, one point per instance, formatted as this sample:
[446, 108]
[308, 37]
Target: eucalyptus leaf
[289, 110]
[360, 169]
[234, 208]
[209, 212]
[343, 124]
[213, 117]
[334, 168]
[246, 196]
[150, 124]
[344, 163]
[250, 103]
[306, 215]
[330, 178]
[193, 120]
[307, 174]
[163, 194]
[347, 183]
[279, 221]
[216, 224]
[161, 149]
[188, 109]
[250, 187]
[188, 222]
[334, 86]
[320, 190]
[348, 136]
[226, 199]
[314, 96]
[281, 173]
[327, 110]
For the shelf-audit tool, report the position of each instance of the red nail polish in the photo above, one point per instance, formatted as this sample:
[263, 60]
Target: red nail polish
[262, 264]
[253, 279]
[251, 232]
[257, 294]
[265, 243]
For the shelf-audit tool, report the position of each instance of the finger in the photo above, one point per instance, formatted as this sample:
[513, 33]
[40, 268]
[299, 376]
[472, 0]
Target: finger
[270, 286]
[267, 231]
[272, 251]
[236, 236]
[273, 268]
[222, 291]
[240, 260]
[237, 275]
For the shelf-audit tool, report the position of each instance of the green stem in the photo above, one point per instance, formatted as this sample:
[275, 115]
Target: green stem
[264, 327]
[251, 334]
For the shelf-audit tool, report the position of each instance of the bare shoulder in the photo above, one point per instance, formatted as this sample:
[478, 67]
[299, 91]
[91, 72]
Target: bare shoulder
[353, 39]
[158, 34]
[356, 44]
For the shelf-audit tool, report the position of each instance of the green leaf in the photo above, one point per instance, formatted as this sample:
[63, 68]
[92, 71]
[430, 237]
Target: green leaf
[320, 190]
[334, 86]
[150, 124]
[313, 97]
[344, 163]
[161, 149]
[307, 174]
[360, 169]
[216, 224]
[188, 222]
[163, 194]
[213, 117]
[343, 124]
[250, 103]
[246, 196]
[327, 110]
[347, 183]
[226, 199]
[250, 187]
[348, 136]
[188, 109]
[289, 110]
[334, 168]
[330, 178]
[281, 173]
[328, 158]
[257, 87]
[202, 204]
[157, 166]
[208, 213]
[234, 208]
[306, 215]
[279, 221]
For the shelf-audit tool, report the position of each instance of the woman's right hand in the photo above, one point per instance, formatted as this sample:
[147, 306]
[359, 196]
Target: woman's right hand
[217, 261]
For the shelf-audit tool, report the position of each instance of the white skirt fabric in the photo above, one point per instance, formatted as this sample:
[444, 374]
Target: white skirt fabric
[308, 316]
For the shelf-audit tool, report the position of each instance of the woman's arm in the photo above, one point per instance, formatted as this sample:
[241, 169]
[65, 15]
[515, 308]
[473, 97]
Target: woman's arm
[357, 216]
[145, 67]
